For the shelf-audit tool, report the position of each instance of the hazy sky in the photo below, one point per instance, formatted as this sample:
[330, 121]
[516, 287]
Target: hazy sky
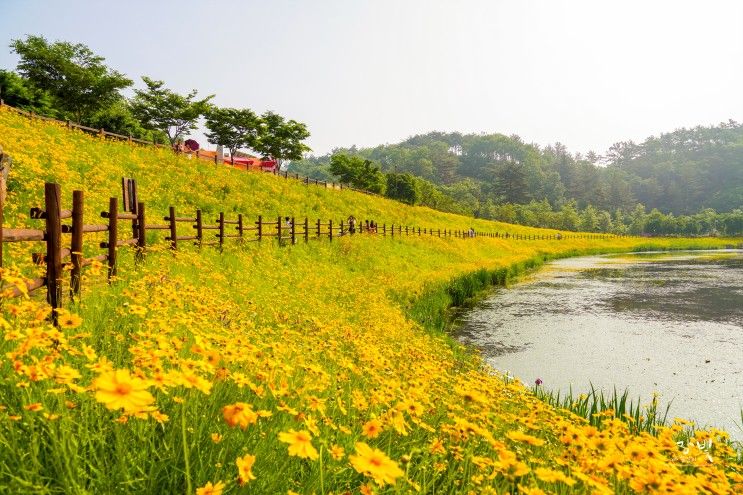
[586, 74]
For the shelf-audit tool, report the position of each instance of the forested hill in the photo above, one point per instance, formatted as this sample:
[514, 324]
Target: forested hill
[681, 172]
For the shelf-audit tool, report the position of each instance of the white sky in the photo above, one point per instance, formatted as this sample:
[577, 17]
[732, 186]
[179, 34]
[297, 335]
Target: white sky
[585, 73]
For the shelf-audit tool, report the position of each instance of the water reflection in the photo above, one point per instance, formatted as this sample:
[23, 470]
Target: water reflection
[669, 323]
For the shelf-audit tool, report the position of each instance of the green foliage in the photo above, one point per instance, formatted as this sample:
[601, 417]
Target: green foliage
[118, 118]
[402, 187]
[233, 128]
[501, 177]
[161, 109]
[19, 92]
[281, 139]
[75, 77]
[358, 172]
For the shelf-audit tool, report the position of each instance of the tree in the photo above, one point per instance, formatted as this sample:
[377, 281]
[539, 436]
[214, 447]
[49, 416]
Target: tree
[19, 92]
[402, 187]
[233, 128]
[118, 118]
[358, 172]
[161, 109]
[510, 182]
[281, 139]
[78, 80]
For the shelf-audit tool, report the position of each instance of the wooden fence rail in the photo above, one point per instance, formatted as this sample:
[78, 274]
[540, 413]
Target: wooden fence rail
[62, 253]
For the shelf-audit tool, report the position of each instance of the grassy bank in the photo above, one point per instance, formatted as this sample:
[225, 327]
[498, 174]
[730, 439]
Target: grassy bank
[315, 368]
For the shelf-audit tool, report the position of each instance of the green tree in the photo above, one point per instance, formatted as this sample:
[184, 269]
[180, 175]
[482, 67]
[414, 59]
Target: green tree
[569, 216]
[589, 219]
[20, 93]
[281, 139]
[161, 109]
[402, 187]
[118, 118]
[358, 172]
[233, 128]
[510, 182]
[78, 80]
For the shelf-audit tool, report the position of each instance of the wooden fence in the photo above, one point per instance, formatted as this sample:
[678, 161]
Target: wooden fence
[61, 254]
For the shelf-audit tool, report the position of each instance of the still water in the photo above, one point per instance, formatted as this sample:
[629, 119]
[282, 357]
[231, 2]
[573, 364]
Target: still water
[666, 323]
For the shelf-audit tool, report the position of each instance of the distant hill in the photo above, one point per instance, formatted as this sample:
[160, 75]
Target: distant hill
[681, 172]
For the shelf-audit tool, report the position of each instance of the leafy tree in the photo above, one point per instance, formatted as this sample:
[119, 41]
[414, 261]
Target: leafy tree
[161, 109]
[402, 187]
[510, 182]
[589, 219]
[75, 77]
[19, 92]
[118, 118]
[233, 128]
[358, 172]
[281, 139]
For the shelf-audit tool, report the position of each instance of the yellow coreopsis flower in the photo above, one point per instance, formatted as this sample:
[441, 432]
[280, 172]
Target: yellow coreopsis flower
[518, 436]
[245, 468]
[372, 428]
[375, 464]
[239, 414]
[119, 389]
[210, 489]
[300, 443]
[70, 321]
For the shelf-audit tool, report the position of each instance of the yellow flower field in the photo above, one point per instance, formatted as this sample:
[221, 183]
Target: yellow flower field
[316, 368]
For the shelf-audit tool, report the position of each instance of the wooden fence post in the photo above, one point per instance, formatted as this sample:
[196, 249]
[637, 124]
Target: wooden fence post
[240, 229]
[221, 230]
[342, 228]
[259, 224]
[113, 213]
[318, 228]
[76, 242]
[52, 205]
[199, 229]
[294, 232]
[141, 231]
[330, 229]
[173, 230]
[306, 229]
[392, 230]
[278, 229]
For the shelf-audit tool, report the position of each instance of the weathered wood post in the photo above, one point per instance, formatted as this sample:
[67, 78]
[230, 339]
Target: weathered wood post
[199, 229]
[330, 230]
[113, 213]
[52, 205]
[173, 230]
[141, 231]
[306, 229]
[294, 232]
[259, 224]
[278, 229]
[392, 230]
[318, 228]
[240, 229]
[76, 243]
[221, 230]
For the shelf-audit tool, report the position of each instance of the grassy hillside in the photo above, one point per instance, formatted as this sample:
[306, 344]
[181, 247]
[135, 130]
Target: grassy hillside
[314, 368]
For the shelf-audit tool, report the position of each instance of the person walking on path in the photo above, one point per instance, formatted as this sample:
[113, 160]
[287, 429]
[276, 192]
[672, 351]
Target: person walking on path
[351, 224]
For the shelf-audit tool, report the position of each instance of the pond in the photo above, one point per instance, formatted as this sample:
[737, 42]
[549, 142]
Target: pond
[670, 323]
